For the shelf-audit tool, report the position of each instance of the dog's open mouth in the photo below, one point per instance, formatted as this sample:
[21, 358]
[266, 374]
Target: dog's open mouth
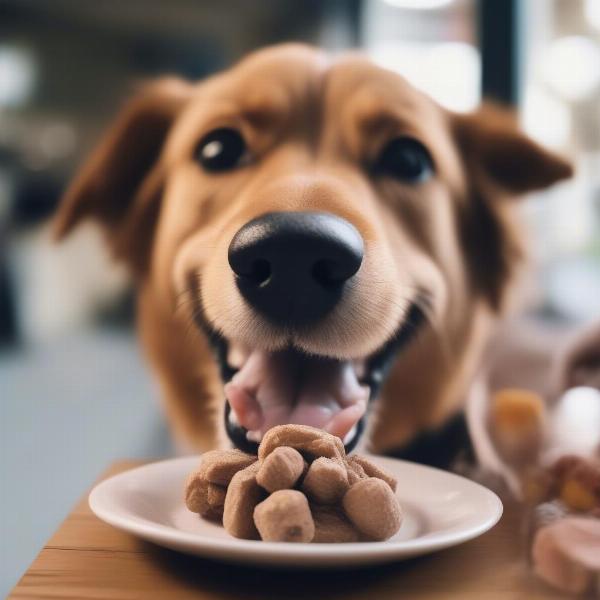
[273, 388]
[264, 389]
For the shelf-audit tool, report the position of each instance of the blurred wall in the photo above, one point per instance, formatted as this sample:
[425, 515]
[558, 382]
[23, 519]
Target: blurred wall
[65, 68]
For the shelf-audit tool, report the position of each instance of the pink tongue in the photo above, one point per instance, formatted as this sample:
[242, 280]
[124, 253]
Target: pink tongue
[283, 387]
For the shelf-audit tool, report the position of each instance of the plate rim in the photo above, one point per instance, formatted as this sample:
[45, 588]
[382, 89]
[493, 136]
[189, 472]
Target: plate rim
[253, 551]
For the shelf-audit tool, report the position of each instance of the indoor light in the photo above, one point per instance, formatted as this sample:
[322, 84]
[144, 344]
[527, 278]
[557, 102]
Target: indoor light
[576, 422]
[449, 71]
[419, 4]
[546, 118]
[592, 12]
[17, 76]
[453, 71]
[571, 66]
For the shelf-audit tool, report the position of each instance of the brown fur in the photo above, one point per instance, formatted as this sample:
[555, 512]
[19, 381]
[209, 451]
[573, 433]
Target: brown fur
[313, 126]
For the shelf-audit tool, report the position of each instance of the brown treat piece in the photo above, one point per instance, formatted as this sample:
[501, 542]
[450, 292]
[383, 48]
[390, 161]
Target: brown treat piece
[372, 470]
[307, 440]
[355, 472]
[196, 494]
[219, 466]
[326, 481]
[205, 488]
[281, 469]
[517, 424]
[564, 465]
[243, 494]
[216, 495]
[197, 498]
[566, 553]
[332, 526]
[577, 480]
[373, 508]
[514, 408]
[587, 472]
[577, 496]
[284, 517]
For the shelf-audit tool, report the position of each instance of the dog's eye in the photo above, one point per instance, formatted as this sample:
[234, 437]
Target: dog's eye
[405, 158]
[221, 149]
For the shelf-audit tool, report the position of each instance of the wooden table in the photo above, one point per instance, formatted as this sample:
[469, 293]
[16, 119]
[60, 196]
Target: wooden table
[86, 558]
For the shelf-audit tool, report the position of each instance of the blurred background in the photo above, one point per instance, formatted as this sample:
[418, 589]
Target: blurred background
[74, 393]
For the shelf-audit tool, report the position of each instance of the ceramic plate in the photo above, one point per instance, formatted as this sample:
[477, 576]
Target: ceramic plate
[440, 510]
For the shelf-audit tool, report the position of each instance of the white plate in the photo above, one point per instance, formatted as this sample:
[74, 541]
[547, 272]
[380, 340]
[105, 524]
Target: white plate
[440, 510]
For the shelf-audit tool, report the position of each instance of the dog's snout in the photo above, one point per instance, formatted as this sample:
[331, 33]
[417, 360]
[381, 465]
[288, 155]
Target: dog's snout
[293, 266]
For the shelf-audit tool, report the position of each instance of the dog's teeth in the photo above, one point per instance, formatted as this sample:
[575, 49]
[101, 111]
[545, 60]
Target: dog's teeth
[359, 368]
[254, 436]
[236, 356]
[350, 436]
[233, 418]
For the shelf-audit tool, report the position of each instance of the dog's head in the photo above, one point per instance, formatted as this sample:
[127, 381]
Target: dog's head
[310, 216]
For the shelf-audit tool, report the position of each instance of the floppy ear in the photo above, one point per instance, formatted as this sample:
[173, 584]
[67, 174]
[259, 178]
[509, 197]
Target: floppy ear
[500, 162]
[491, 143]
[120, 185]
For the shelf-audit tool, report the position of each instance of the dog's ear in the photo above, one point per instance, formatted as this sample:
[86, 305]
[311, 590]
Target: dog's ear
[120, 185]
[500, 162]
[491, 143]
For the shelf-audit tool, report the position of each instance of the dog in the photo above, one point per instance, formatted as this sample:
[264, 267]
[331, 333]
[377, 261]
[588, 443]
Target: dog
[313, 240]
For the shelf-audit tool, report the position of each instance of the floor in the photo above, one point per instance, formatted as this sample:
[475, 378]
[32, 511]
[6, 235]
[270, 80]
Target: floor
[67, 409]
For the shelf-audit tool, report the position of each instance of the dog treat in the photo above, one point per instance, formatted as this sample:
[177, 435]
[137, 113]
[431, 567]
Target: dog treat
[284, 517]
[372, 470]
[196, 498]
[301, 488]
[355, 471]
[281, 469]
[219, 466]
[326, 481]
[517, 423]
[206, 488]
[332, 526]
[243, 494]
[216, 495]
[205, 498]
[579, 486]
[577, 496]
[566, 553]
[373, 508]
[564, 529]
[307, 440]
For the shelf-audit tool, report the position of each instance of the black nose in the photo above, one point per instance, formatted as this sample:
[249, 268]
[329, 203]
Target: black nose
[293, 266]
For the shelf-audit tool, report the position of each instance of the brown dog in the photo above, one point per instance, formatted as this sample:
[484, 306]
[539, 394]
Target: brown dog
[296, 227]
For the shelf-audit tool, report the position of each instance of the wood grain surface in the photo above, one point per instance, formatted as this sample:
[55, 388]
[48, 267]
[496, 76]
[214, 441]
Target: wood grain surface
[87, 558]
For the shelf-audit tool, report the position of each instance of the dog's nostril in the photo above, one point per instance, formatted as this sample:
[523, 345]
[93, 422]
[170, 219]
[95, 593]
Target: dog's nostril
[329, 273]
[261, 271]
[257, 273]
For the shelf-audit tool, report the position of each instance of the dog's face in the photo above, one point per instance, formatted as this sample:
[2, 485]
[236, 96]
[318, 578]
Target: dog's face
[310, 217]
